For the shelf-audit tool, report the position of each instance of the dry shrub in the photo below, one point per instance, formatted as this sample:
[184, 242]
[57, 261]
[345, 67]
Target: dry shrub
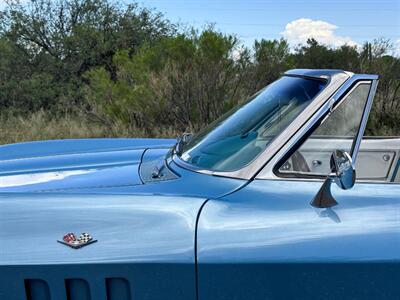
[43, 126]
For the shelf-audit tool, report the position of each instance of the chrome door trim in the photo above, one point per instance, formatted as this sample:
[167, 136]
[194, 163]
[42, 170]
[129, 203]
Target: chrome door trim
[364, 120]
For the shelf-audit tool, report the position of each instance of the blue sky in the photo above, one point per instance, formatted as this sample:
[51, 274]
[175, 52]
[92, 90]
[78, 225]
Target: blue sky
[340, 21]
[332, 22]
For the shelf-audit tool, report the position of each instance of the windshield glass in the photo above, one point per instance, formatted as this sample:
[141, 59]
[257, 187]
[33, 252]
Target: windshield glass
[236, 138]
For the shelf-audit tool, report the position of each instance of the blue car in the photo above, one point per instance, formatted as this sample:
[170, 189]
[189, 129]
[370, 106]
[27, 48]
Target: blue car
[280, 198]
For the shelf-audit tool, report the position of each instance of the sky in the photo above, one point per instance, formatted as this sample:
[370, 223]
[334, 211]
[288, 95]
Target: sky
[331, 22]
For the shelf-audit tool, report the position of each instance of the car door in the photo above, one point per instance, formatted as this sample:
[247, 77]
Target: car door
[266, 241]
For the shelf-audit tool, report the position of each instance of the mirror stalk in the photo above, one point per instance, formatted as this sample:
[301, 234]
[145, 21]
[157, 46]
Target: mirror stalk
[343, 174]
[324, 197]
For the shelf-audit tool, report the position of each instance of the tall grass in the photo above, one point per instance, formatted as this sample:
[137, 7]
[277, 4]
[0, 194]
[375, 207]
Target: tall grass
[43, 125]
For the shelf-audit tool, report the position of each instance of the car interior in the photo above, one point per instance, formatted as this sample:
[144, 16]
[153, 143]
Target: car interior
[377, 160]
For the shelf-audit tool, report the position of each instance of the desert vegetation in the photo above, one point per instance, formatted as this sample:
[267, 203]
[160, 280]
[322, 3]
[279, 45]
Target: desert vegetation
[94, 68]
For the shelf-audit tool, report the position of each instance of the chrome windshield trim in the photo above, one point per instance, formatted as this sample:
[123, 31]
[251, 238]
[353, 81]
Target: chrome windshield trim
[321, 73]
[336, 81]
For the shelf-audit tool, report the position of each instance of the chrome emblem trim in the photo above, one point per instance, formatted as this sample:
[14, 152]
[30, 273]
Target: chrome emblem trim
[72, 241]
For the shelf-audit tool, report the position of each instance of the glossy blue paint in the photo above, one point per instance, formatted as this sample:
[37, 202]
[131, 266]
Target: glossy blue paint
[72, 164]
[89, 170]
[145, 232]
[189, 183]
[152, 236]
[269, 239]
[127, 228]
[105, 171]
[77, 146]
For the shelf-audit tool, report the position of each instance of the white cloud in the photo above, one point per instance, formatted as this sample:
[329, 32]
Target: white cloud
[397, 48]
[298, 31]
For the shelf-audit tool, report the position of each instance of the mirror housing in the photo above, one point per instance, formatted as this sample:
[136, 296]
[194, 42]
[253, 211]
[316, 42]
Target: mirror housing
[343, 174]
[343, 171]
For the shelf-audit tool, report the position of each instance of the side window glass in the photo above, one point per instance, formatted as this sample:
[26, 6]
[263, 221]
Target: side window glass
[337, 131]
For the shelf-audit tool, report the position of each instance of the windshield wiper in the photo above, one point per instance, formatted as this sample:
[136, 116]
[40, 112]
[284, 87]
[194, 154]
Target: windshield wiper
[178, 147]
[181, 141]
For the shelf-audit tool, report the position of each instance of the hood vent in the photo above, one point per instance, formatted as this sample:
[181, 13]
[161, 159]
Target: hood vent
[78, 289]
[118, 289]
[37, 289]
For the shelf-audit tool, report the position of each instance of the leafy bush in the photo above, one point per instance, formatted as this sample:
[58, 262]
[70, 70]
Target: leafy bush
[107, 69]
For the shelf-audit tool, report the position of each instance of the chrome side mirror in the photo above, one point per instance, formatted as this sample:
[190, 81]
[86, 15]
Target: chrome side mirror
[343, 174]
[343, 171]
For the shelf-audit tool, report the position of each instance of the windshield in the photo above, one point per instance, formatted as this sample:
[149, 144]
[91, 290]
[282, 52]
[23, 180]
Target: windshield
[239, 136]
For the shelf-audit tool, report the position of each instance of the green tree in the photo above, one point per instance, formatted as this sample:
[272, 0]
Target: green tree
[271, 59]
[60, 40]
[187, 80]
[385, 115]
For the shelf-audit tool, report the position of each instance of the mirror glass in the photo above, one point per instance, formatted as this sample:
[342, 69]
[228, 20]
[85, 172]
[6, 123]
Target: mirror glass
[344, 173]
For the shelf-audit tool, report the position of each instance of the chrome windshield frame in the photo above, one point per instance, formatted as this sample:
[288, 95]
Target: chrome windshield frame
[336, 81]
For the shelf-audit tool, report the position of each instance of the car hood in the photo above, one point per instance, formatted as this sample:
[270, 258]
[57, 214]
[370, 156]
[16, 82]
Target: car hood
[74, 164]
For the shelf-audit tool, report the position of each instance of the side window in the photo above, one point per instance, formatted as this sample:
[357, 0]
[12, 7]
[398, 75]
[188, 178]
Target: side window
[337, 131]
